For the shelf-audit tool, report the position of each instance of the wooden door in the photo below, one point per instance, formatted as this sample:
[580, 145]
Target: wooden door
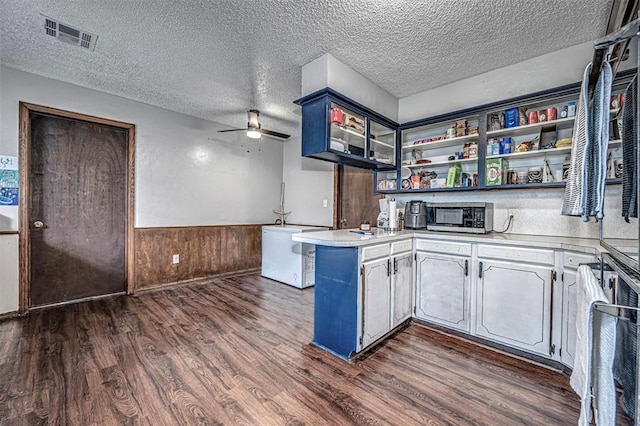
[443, 290]
[376, 309]
[514, 305]
[355, 199]
[78, 214]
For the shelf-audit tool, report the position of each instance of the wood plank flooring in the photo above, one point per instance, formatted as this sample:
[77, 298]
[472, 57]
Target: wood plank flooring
[235, 351]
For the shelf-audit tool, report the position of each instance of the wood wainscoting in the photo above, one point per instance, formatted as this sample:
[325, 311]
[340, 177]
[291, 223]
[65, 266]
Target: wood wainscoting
[205, 251]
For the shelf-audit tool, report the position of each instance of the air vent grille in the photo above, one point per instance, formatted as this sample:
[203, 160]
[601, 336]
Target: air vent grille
[69, 34]
[51, 27]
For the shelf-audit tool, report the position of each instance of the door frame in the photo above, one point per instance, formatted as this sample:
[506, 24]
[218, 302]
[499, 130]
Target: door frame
[24, 205]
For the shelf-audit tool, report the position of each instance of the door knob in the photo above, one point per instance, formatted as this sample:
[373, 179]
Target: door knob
[343, 223]
[38, 224]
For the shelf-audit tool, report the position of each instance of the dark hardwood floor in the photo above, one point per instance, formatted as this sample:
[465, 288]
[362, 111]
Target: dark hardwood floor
[235, 351]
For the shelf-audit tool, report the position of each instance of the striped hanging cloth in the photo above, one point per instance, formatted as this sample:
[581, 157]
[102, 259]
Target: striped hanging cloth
[630, 152]
[584, 191]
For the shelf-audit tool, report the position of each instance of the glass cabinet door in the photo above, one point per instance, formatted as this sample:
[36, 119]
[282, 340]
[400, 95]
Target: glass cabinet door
[347, 131]
[382, 143]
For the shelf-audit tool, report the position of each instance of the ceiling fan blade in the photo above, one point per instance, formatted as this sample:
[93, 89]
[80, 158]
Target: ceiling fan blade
[274, 134]
[232, 130]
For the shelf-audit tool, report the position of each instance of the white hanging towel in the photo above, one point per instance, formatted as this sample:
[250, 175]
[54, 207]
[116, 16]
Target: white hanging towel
[592, 376]
[584, 191]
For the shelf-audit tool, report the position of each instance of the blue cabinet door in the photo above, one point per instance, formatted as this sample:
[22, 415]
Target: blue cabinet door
[336, 300]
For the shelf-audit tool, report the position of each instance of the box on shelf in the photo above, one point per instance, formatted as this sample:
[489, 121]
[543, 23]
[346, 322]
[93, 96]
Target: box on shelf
[495, 171]
[511, 117]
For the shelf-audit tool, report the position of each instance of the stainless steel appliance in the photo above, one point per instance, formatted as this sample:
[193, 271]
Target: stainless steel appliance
[415, 215]
[475, 218]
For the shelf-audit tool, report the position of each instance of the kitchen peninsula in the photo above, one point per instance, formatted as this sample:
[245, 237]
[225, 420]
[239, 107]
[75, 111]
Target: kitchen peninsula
[515, 292]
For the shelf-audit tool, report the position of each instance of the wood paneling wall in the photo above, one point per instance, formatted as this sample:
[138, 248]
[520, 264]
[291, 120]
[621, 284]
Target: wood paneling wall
[205, 251]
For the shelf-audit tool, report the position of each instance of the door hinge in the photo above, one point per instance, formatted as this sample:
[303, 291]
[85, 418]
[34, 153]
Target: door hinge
[360, 340]
[554, 276]
[361, 270]
[552, 349]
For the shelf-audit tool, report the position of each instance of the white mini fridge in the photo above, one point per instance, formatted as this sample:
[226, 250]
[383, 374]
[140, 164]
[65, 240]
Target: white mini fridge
[285, 260]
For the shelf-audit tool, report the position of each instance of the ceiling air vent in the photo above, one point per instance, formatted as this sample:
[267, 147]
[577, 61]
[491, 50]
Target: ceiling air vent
[69, 34]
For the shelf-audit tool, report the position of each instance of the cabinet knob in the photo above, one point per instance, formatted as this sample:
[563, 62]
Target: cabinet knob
[38, 224]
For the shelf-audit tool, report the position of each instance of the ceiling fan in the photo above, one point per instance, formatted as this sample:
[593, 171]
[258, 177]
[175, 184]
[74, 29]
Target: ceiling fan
[254, 130]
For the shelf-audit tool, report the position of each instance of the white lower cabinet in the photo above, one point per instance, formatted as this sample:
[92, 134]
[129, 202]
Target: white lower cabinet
[376, 309]
[569, 301]
[514, 304]
[443, 289]
[401, 288]
[386, 289]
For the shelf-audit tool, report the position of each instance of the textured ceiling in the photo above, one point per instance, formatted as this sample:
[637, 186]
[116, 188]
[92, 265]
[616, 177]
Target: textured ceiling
[216, 59]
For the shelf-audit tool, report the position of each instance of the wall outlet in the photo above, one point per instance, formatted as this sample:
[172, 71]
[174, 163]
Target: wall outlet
[325, 203]
[175, 259]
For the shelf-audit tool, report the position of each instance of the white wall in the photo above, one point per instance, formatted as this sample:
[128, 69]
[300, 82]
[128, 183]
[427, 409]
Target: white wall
[182, 177]
[537, 212]
[8, 273]
[327, 71]
[307, 183]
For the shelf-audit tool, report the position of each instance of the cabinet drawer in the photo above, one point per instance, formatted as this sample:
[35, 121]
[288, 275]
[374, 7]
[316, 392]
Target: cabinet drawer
[573, 260]
[373, 252]
[516, 253]
[447, 247]
[400, 246]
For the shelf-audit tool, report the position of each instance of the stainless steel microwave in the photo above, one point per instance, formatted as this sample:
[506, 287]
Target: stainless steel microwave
[475, 218]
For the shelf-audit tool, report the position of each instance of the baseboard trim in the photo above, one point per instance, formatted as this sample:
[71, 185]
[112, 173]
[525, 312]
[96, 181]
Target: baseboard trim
[9, 315]
[496, 347]
[74, 301]
[198, 280]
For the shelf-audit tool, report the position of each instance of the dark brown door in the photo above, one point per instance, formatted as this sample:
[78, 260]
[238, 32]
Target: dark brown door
[78, 209]
[356, 199]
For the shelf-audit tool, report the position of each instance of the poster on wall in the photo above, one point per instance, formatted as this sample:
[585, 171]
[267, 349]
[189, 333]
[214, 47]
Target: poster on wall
[8, 180]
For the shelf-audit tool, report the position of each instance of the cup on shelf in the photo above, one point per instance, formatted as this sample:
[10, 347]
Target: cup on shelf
[415, 181]
[542, 115]
[551, 113]
[534, 174]
[522, 177]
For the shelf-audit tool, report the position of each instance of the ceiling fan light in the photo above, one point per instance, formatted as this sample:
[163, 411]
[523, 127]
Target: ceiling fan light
[253, 134]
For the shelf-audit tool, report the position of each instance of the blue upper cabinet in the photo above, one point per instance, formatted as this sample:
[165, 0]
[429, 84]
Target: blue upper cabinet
[338, 129]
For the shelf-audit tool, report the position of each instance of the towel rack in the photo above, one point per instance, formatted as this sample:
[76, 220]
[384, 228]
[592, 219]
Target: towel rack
[622, 35]
[615, 310]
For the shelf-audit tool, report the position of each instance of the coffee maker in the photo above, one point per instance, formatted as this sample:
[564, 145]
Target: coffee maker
[415, 215]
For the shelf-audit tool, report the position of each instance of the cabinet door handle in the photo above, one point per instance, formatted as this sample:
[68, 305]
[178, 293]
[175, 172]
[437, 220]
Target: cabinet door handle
[480, 270]
[552, 347]
[466, 268]
[395, 266]
[389, 267]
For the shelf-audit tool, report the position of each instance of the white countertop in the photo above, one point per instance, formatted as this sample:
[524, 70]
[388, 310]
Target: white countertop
[293, 228]
[348, 238]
